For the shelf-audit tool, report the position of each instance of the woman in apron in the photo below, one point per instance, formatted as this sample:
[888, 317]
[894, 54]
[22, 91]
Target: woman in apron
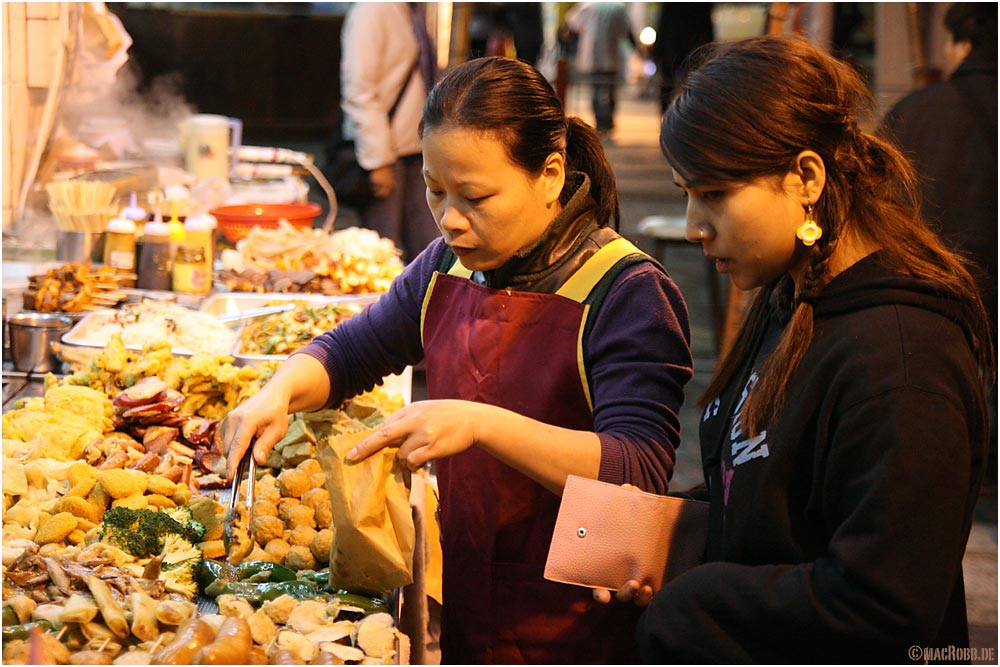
[552, 346]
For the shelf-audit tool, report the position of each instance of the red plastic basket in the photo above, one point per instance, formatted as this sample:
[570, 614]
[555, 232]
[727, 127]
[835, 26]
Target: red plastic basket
[236, 221]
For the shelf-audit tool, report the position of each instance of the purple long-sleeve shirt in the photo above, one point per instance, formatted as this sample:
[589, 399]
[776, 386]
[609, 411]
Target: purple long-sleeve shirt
[638, 354]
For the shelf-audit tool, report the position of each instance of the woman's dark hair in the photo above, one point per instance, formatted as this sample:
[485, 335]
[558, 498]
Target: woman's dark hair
[745, 112]
[513, 101]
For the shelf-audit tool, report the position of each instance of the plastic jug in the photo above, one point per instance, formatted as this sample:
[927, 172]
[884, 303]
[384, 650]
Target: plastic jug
[208, 141]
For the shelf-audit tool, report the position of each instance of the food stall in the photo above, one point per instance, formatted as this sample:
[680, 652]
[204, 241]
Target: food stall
[148, 289]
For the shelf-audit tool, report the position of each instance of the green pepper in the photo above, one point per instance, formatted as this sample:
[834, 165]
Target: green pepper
[11, 632]
[321, 577]
[370, 605]
[272, 571]
[10, 616]
[212, 571]
[260, 592]
[300, 590]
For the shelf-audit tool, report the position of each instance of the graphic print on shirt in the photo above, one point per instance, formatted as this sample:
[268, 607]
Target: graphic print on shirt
[741, 449]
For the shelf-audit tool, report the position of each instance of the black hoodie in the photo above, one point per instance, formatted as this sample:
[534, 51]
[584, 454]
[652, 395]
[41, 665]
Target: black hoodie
[838, 533]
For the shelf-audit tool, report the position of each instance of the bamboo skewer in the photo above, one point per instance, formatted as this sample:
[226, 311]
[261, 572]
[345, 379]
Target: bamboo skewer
[81, 206]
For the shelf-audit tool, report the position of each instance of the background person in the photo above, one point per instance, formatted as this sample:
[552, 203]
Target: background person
[949, 130]
[385, 49]
[844, 434]
[526, 385]
[603, 28]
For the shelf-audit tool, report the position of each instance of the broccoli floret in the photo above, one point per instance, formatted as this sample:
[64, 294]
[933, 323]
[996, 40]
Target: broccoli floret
[184, 516]
[181, 578]
[141, 532]
[177, 550]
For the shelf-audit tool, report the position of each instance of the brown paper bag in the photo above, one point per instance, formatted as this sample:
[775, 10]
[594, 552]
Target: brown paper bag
[373, 533]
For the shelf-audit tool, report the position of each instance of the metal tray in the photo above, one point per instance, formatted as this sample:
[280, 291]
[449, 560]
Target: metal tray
[233, 304]
[236, 303]
[84, 335]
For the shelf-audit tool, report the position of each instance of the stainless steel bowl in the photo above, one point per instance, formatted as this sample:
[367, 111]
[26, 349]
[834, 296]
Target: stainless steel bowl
[31, 338]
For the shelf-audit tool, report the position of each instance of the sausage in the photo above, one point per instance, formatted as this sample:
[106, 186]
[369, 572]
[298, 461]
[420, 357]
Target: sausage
[191, 636]
[286, 657]
[112, 612]
[148, 462]
[116, 460]
[231, 646]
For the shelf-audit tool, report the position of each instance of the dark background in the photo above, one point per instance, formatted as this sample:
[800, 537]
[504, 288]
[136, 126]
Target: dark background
[276, 66]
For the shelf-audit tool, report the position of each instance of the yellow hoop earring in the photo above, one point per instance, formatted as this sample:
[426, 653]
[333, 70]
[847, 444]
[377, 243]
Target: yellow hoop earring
[809, 232]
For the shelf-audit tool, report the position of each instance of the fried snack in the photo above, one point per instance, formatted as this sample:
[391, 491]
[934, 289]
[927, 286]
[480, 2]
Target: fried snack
[266, 528]
[73, 288]
[321, 544]
[278, 549]
[293, 483]
[300, 558]
[56, 528]
[123, 483]
[289, 259]
[301, 516]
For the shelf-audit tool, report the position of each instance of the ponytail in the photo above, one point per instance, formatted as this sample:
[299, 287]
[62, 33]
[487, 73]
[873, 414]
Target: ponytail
[585, 153]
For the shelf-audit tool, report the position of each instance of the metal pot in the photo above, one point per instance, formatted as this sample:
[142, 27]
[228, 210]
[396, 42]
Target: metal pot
[31, 338]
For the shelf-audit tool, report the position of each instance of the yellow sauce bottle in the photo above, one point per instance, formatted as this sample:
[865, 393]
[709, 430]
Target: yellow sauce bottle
[119, 249]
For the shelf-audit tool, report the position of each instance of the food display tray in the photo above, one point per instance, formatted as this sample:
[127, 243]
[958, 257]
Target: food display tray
[237, 303]
[82, 335]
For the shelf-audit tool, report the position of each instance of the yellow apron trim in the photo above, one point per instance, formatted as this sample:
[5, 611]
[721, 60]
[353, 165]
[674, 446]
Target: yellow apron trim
[579, 287]
[427, 300]
[580, 284]
[457, 269]
[582, 367]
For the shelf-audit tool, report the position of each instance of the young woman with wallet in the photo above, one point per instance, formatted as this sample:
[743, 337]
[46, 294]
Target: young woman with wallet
[843, 436]
[552, 347]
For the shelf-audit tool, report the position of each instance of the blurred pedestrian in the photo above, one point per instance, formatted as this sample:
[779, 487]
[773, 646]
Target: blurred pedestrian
[604, 30]
[681, 27]
[387, 67]
[949, 130]
[844, 434]
[525, 21]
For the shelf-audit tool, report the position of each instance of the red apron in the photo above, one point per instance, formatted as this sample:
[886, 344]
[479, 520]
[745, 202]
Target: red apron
[520, 351]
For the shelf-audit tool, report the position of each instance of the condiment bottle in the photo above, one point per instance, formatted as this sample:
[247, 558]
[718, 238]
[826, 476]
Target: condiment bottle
[200, 230]
[119, 249]
[189, 274]
[177, 232]
[133, 211]
[155, 260]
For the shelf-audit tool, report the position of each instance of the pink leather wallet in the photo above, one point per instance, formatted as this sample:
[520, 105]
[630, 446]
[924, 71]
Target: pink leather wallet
[607, 534]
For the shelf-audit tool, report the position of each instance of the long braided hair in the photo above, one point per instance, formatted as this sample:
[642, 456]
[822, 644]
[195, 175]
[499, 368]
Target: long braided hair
[746, 111]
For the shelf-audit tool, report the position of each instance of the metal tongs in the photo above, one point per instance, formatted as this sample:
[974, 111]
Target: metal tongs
[236, 528]
[256, 313]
